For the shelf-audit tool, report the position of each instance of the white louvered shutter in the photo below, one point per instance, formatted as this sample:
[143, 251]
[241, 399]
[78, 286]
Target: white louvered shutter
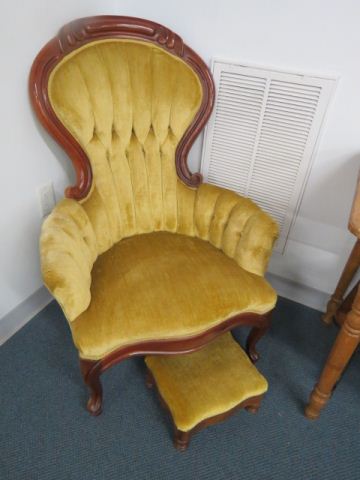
[262, 135]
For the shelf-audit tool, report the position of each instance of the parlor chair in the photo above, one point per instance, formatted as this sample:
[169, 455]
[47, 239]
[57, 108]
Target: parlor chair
[142, 257]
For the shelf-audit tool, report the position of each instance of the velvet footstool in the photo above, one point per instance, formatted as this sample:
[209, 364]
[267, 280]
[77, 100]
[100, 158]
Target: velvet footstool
[205, 387]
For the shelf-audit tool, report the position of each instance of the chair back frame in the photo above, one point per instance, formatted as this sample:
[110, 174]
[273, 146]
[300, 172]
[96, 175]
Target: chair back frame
[80, 32]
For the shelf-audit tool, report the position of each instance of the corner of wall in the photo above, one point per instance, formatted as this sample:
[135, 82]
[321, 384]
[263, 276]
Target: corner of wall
[23, 313]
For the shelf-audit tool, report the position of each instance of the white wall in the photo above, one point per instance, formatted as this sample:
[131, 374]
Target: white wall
[28, 157]
[318, 36]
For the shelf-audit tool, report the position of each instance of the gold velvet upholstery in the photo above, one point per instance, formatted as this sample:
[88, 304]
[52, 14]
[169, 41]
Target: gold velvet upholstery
[205, 383]
[163, 285]
[128, 104]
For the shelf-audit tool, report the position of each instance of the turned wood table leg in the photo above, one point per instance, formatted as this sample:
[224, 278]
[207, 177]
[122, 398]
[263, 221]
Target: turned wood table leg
[347, 275]
[341, 352]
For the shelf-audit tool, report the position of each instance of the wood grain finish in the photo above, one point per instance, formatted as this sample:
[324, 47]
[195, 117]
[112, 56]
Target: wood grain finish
[86, 30]
[347, 314]
[354, 220]
[181, 438]
[347, 275]
[341, 352]
[335, 307]
[346, 305]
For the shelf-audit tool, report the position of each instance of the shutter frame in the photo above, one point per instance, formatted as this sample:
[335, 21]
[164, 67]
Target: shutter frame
[263, 135]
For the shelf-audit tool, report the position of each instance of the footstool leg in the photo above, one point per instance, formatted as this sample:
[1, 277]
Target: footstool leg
[181, 440]
[254, 336]
[254, 404]
[252, 409]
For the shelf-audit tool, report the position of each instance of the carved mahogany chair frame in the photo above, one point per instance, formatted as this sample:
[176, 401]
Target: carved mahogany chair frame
[71, 37]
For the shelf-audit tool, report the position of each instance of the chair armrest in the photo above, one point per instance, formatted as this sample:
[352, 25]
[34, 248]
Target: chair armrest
[236, 225]
[255, 245]
[68, 251]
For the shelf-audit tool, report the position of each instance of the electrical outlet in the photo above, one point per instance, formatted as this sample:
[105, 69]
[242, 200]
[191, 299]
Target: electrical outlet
[46, 197]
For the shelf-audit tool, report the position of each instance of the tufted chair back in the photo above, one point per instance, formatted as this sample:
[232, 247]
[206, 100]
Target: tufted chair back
[126, 98]
[128, 103]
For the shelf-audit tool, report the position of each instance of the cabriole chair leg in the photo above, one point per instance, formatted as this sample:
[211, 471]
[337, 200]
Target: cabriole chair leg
[256, 333]
[91, 371]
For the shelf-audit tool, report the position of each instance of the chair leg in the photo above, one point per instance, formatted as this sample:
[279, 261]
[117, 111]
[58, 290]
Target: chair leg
[347, 275]
[91, 371]
[255, 335]
[341, 352]
[181, 440]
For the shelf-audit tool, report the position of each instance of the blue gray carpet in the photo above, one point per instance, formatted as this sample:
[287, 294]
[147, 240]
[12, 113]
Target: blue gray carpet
[46, 433]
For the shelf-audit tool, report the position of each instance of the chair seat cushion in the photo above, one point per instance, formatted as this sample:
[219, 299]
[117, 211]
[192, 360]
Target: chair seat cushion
[163, 286]
[205, 383]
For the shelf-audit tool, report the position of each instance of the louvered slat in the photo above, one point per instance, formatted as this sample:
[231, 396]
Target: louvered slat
[238, 110]
[262, 135]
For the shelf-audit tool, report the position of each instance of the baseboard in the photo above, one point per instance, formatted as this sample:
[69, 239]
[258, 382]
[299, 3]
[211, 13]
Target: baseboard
[299, 293]
[25, 311]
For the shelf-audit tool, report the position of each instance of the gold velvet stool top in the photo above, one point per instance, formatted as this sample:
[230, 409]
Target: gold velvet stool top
[204, 387]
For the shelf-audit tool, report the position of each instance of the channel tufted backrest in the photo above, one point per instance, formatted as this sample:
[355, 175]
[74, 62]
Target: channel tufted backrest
[128, 104]
[126, 98]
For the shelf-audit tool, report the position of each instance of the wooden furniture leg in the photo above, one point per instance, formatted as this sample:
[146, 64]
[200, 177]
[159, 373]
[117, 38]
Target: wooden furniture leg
[253, 408]
[347, 275]
[346, 305]
[91, 371]
[181, 440]
[341, 352]
[256, 333]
